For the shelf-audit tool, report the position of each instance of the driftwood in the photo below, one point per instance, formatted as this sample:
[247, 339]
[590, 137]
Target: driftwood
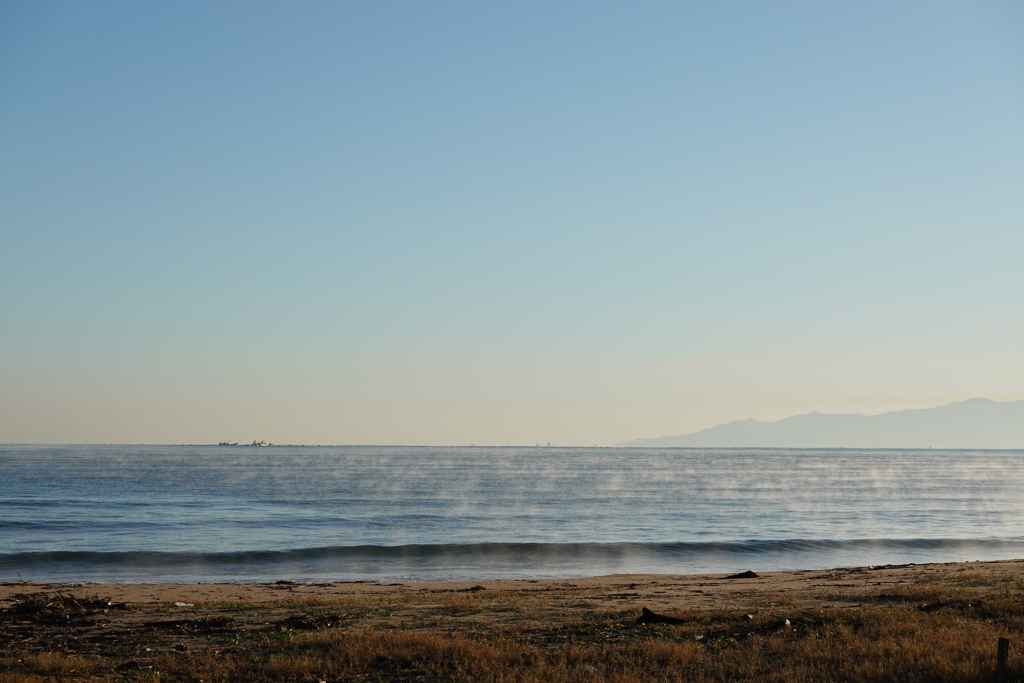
[743, 575]
[649, 617]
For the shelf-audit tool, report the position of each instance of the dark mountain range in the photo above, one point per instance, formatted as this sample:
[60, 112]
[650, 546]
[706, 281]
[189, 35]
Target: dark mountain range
[975, 423]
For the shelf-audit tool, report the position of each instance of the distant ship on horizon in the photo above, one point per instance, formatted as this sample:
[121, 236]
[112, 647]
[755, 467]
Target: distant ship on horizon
[254, 443]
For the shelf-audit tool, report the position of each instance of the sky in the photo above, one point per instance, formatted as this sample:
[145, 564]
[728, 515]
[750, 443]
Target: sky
[502, 223]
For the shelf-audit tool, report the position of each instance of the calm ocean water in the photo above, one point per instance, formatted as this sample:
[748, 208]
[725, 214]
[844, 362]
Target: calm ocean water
[202, 513]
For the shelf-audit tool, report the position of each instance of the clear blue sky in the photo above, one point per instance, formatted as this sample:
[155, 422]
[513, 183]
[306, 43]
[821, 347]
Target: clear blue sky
[413, 222]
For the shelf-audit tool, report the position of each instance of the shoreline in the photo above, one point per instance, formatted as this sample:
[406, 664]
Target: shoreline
[679, 591]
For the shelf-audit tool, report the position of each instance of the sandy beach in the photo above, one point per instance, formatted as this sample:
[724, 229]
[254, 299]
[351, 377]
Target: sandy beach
[844, 588]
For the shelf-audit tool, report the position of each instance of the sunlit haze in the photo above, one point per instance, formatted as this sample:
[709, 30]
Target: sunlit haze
[502, 223]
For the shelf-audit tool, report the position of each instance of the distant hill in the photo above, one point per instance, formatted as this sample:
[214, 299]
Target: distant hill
[975, 423]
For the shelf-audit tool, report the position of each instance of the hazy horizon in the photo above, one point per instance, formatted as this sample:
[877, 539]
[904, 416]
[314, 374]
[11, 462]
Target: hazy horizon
[450, 223]
[977, 423]
[643, 441]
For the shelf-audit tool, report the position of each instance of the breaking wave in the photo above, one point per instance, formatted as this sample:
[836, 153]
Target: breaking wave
[493, 560]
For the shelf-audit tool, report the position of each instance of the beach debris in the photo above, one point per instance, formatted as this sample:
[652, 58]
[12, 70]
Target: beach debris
[183, 604]
[200, 625]
[56, 608]
[132, 665]
[208, 623]
[793, 621]
[649, 617]
[743, 575]
[314, 621]
[949, 604]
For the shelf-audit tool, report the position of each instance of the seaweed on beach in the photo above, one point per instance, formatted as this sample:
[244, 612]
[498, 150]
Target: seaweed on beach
[315, 621]
[204, 624]
[55, 608]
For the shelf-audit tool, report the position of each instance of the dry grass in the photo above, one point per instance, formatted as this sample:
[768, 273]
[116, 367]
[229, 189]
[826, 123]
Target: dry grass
[939, 629]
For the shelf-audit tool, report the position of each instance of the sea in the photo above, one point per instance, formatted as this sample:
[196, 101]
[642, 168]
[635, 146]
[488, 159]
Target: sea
[169, 514]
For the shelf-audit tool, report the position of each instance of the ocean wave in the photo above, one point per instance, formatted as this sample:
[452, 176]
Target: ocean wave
[523, 555]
